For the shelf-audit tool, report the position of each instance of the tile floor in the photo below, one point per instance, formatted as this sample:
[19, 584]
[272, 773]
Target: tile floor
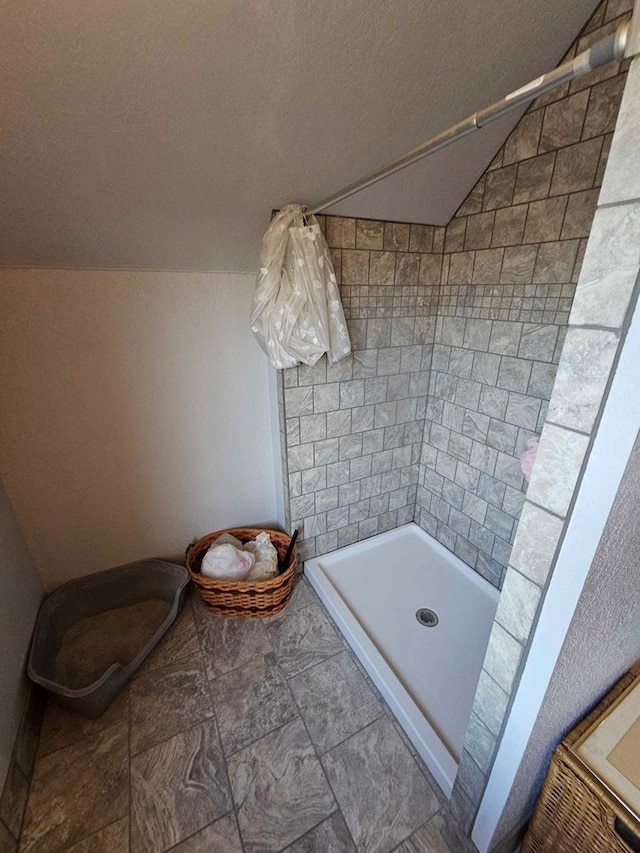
[254, 735]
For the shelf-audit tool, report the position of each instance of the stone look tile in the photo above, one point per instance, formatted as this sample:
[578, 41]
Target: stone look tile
[610, 267]
[522, 410]
[523, 140]
[544, 221]
[250, 702]
[557, 467]
[177, 788]
[621, 179]
[427, 839]
[111, 839]
[355, 267]
[382, 268]
[421, 239]
[179, 643]
[563, 121]
[490, 703]
[298, 401]
[581, 208]
[90, 778]
[383, 806]
[454, 237]
[331, 836]
[396, 236]
[498, 188]
[555, 261]
[227, 642]
[534, 178]
[461, 809]
[479, 230]
[302, 639]
[369, 234]
[509, 224]
[279, 789]
[341, 232]
[535, 543]
[518, 264]
[222, 836]
[587, 358]
[473, 202]
[334, 700]
[302, 596]
[538, 341]
[502, 658]
[518, 605]
[167, 700]
[487, 265]
[576, 167]
[479, 743]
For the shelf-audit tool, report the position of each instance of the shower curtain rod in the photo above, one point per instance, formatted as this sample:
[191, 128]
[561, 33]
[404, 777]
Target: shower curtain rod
[610, 48]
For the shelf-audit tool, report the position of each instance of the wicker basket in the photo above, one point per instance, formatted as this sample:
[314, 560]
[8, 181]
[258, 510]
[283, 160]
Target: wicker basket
[575, 813]
[244, 598]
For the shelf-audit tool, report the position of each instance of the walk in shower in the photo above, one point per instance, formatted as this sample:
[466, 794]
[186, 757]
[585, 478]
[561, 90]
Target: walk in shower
[402, 462]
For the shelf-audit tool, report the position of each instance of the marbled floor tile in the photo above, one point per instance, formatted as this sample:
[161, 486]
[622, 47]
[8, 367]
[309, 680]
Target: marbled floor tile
[437, 790]
[166, 701]
[382, 794]
[61, 727]
[228, 642]
[111, 839]
[279, 789]
[219, 837]
[177, 788]
[179, 643]
[8, 843]
[334, 700]
[14, 798]
[427, 839]
[303, 638]
[77, 790]
[250, 702]
[331, 836]
[303, 595]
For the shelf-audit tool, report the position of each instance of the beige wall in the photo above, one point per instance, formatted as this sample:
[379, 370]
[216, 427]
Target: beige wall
[19, 602]
[133, 413]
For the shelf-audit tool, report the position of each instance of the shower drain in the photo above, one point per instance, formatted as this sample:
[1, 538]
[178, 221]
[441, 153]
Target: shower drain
[427, 618]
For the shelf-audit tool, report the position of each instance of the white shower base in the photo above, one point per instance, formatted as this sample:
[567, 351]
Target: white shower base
[428, 676]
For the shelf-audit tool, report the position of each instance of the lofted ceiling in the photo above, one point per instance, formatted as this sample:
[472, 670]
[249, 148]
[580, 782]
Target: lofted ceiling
[159, 135]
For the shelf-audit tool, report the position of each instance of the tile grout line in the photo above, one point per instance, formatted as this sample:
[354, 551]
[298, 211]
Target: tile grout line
[215, 721]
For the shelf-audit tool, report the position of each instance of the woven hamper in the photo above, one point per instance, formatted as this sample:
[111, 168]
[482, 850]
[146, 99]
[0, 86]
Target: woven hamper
[575, 813]
[256, 599]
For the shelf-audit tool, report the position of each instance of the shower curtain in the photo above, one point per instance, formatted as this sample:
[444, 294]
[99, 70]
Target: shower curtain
[297, 314]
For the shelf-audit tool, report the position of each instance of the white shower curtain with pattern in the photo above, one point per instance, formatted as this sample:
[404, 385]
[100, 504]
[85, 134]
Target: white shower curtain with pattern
[297, 314]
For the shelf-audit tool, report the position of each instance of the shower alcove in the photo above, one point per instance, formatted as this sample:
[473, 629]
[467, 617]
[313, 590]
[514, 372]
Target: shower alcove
[456, 333]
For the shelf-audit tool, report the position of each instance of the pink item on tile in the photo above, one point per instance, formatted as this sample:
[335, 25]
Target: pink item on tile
[528, 458]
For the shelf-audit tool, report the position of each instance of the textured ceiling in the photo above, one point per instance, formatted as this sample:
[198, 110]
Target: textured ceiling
[161, 134]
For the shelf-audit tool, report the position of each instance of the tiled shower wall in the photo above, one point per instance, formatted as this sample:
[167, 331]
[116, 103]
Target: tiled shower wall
[456, 334]
[512, 259]
[352, 432]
